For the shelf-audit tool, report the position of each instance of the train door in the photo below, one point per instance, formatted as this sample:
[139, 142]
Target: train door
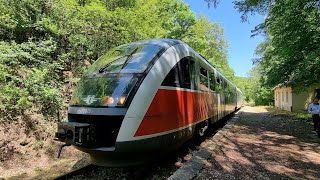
[224, 97]
[213, 95]
[219, 95]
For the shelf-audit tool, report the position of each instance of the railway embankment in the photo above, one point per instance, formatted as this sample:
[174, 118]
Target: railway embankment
[259, 144]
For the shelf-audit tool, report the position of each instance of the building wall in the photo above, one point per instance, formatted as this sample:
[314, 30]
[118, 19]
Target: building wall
[297, 102]
[283, 98]
[302, 100]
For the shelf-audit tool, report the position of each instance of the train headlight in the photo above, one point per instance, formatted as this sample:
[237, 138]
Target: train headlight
[107, 100]
[122, 100]
[110, 100]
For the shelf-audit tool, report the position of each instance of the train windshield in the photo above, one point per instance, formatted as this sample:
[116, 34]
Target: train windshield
[104, 91]
[128, 58]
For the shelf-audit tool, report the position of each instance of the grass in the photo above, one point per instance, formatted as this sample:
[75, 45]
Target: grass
[56, 169]
[295, 115]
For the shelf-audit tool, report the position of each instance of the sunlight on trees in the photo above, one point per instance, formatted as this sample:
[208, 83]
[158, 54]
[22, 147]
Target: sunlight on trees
[46, 45]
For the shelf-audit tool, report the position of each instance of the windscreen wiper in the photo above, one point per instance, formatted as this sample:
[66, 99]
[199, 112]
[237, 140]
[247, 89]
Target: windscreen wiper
[101, 70]
[129, 56]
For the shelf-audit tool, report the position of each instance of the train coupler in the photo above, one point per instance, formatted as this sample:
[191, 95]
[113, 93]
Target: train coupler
[73, 133]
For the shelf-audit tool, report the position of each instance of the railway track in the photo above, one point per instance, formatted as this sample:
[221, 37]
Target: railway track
[73, 173]
[158, 169]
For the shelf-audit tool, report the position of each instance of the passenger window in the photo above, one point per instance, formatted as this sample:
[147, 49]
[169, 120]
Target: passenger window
[193, 74]
[203, 79]
[186, 66]
[181, 75]
[172, 79]
[218, 83]
[212, 81]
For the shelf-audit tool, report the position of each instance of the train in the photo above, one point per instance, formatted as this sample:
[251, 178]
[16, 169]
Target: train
[145, 99]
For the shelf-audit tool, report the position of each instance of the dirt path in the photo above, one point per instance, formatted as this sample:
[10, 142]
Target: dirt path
[264, 146]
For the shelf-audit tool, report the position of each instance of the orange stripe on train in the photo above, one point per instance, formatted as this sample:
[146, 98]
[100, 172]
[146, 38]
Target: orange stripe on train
[172, 109]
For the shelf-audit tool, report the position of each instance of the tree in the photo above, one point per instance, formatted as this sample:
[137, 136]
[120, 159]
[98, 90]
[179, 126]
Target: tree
[207, 38]
[254, 92]
[291, 54]
[46, 45]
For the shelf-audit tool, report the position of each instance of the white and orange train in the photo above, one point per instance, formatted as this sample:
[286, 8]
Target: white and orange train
[143, 99]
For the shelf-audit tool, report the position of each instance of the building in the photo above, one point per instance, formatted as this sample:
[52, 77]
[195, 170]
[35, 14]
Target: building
[285, 98]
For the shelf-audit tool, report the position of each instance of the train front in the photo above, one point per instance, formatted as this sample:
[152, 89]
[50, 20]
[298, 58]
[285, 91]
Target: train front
[101, 101]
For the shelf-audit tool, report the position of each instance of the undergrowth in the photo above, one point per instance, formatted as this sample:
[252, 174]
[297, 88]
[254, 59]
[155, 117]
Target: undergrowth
[295, 115]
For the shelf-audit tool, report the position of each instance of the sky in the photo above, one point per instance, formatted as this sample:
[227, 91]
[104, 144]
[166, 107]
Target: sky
[237, 33]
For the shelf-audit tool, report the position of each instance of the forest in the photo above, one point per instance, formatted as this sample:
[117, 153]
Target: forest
[290, 54]
[46, 45]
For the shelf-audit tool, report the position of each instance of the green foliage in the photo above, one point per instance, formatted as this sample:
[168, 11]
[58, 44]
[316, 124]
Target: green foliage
[296, 115]
[207, 39]
[253, 90]
[45, 44]
[28, 78]
[291, 53]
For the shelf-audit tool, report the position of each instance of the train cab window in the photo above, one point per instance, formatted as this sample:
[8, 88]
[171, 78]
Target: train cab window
[129, 58]
[212, 81]
[181, 75]
[204, 79]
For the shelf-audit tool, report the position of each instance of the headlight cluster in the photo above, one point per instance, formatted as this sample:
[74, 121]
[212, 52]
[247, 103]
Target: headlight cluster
[105, 101]
[109, 100]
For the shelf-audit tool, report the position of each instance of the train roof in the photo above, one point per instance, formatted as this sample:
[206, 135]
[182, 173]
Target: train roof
[166, 43]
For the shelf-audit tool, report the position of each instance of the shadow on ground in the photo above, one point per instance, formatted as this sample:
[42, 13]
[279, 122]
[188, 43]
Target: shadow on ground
[263, 146]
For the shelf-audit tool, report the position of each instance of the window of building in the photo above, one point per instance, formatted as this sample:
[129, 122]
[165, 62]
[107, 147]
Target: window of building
[287, 97]
[282, 94]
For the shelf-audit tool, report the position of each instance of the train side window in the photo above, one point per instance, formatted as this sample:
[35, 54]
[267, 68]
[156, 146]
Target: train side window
[193, 74]
[186, 70]
[172, 79]
[218, 83]
[203, 79]
[181, 75]
[218, 80]
[212, 81]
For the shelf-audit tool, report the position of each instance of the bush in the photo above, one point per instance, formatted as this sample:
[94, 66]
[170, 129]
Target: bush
[29, 79]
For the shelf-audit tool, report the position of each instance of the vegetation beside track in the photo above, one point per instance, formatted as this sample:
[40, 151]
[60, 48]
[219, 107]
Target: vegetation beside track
[293, 115]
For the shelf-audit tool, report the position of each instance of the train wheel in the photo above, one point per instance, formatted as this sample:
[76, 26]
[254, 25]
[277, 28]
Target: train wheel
[201, 128]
